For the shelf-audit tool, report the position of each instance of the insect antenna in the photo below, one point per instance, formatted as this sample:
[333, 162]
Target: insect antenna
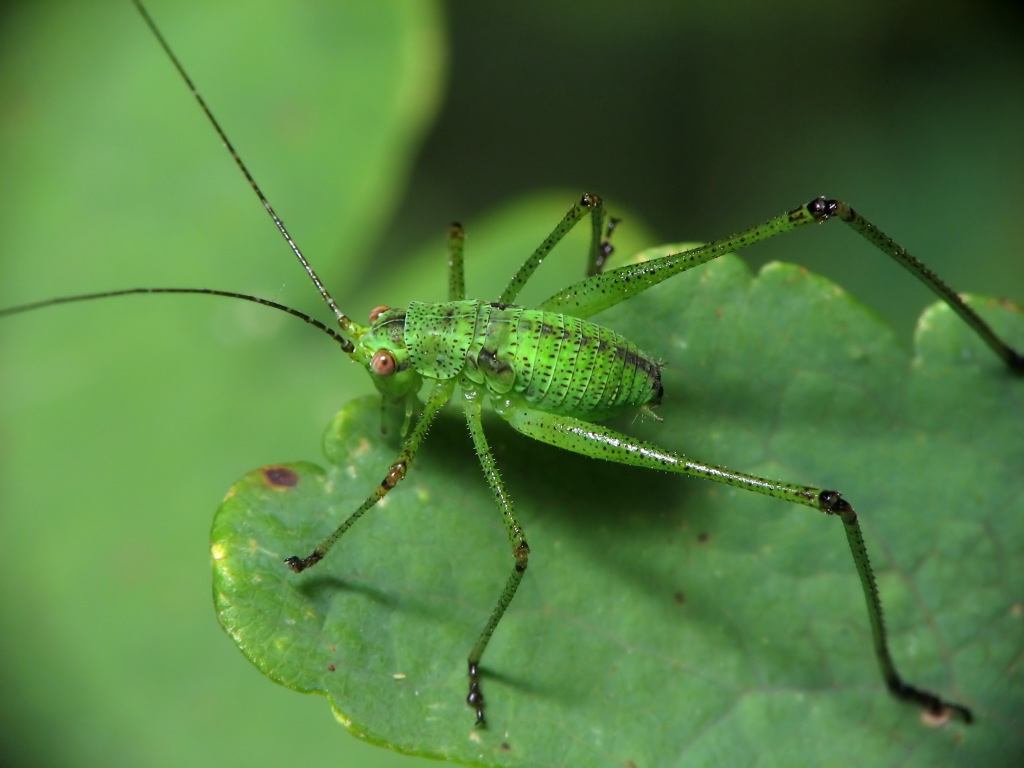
[345, 343]
[349, 330]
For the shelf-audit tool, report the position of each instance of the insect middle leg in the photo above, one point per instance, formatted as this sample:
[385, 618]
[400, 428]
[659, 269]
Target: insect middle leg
[600, 248]
[600, 442]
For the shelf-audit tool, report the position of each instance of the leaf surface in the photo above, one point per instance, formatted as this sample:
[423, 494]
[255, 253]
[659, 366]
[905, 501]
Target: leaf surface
[664, 620]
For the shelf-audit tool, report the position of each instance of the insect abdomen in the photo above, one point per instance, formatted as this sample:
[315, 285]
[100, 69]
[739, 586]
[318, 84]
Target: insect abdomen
[559, 363]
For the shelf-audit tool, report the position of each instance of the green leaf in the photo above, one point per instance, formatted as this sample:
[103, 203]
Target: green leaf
[664, 620]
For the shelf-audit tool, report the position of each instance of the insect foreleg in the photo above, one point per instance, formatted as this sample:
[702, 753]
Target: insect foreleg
[520, 552]
[439, 395]
[600, 442]
[456, 272]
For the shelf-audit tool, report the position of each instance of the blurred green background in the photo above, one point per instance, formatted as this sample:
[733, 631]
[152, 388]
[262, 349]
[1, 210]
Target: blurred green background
[125, 421]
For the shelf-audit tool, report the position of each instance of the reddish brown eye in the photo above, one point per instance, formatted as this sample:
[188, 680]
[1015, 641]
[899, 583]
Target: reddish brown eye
[377, 311]
[383, 363]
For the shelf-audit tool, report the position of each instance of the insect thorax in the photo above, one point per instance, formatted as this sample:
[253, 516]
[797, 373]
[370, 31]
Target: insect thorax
[556, 363]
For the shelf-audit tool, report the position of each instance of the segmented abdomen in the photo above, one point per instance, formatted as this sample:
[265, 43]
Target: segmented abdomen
[560, 364]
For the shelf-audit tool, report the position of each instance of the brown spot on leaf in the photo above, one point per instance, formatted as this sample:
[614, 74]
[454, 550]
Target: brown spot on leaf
[280, 477]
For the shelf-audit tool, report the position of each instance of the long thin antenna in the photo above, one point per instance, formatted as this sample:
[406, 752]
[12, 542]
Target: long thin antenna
[345, 343]
[348, 328]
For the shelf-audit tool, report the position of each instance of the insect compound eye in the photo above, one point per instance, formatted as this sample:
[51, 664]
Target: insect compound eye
[377, 312]
[383, 363]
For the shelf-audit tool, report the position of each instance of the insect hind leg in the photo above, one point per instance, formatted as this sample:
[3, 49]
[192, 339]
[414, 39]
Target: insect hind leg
[600, 442]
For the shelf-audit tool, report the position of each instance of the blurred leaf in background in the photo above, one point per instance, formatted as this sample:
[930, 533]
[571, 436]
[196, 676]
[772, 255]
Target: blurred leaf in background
[124, 421]
[710, 117]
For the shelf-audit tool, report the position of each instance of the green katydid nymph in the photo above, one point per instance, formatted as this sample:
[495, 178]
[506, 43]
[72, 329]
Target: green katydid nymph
[553, 375]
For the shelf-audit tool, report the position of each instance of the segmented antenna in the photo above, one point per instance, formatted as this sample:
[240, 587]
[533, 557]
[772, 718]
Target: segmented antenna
[348, 328]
